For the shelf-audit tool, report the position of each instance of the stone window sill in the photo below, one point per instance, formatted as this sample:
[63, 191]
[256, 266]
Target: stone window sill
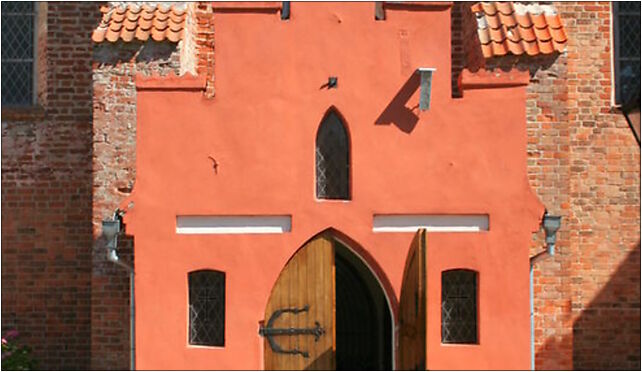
[16, 113]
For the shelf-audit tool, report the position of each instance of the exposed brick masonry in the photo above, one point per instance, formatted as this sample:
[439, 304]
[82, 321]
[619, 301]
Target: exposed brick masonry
[47, 196]
[583, 163]
[60, 179]
[114, 156]
[115, 68]
[205, 44]
[457, 55]
[604, 226]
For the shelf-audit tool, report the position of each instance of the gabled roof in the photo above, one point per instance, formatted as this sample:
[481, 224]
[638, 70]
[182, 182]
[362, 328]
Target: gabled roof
[518, 28]
[127, 22]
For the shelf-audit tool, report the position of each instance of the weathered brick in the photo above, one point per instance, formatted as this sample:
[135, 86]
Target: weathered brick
[67, 165]
[574, 340]
[47, 153]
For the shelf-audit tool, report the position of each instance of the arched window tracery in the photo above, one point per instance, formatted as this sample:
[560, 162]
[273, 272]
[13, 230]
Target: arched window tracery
[332, 159]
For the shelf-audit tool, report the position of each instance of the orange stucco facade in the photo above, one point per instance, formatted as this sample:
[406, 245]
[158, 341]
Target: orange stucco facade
[462, 156]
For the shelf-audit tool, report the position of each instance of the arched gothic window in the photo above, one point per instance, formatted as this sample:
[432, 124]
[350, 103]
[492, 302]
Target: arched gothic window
[332, 159]
[459, 307]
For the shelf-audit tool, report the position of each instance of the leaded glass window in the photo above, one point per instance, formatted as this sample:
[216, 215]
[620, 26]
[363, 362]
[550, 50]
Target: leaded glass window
[459, 307]
[207, 308]
[626, 37]
[332, 159]
[18, 21]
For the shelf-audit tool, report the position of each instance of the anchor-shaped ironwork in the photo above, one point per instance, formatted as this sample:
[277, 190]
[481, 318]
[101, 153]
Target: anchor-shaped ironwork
[268, 331]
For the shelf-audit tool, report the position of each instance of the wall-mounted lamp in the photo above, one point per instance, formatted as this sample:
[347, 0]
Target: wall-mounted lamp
[551, 224]
[426, 85]
[111, 230]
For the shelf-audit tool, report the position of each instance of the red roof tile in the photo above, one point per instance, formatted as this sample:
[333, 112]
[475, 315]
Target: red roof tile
[517, 28]
[129, 22]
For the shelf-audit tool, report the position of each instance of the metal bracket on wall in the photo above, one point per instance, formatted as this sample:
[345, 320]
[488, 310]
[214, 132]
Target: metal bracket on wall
[426, 85]
[268, 332]
[285, 10]
[380, 14]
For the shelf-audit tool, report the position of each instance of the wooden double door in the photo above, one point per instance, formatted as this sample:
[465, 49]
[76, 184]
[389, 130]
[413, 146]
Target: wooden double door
[300, 325]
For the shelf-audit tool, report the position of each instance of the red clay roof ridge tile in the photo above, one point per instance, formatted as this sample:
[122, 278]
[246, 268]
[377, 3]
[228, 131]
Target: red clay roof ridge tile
[126, 21]
[518, 28]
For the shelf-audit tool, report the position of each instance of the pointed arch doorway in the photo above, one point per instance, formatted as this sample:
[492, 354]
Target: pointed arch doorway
[337, 308]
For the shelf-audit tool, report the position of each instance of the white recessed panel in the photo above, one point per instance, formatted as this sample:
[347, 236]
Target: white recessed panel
[233, 224]
[430, 222]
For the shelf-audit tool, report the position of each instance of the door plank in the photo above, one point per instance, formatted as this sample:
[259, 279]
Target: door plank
[412, 307]
[307, 279]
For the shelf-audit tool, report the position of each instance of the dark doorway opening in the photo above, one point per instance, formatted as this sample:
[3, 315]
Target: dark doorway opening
[363, 319]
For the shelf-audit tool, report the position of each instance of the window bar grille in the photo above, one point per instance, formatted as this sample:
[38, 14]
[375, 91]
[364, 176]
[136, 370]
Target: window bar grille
[626, 40]
[459, 307]
[332, 159]
[18, 53]
[207, 308]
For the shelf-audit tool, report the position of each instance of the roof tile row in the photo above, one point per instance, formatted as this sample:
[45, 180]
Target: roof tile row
[502, 27]
[140, 22]
[512, 27]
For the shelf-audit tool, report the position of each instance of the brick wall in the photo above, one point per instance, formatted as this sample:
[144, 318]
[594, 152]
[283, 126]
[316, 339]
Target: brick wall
[604, 200]
[547, 124]
[114, 171]
[47, 196]
[457, 55]
[584, 165]
[114, 147]
[60, 178]
[549, 173]
[204, 35]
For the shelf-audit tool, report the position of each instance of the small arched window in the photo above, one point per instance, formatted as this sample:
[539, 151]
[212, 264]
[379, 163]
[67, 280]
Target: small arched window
[332, 159]
[459, 307]
[206, 307]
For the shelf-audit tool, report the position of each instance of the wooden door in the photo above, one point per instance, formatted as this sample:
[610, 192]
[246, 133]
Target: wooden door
[308, 280]
[412, 307]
